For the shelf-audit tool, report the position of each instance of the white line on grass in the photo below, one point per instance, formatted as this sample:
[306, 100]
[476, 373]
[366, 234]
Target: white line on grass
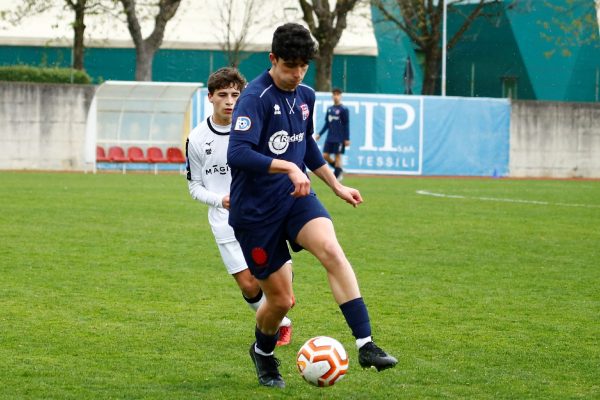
[543, 203]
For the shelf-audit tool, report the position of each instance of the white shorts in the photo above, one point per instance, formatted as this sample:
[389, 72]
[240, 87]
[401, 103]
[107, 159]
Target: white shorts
[232, 256]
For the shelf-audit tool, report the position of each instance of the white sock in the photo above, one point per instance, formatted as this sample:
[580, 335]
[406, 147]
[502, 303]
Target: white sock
[362, 341]
[262, 353]
[254, 306]
[285, 322]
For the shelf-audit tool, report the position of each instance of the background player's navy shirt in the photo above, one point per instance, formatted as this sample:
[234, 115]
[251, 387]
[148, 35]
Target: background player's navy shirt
[337, 121]
[268, 123]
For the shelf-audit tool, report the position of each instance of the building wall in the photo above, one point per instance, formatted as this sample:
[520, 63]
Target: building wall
[43, 126]
[555, 139]
[535, 43]
[354, 74]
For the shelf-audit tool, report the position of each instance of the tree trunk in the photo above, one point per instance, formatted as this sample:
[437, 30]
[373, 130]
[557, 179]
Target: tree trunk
[146, 48]
[327, 28]
[143, 64]
[78, 31]
[432, 71]
[323, 66]
[430, 77]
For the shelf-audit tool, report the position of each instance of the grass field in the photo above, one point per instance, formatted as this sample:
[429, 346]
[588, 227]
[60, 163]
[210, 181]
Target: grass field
[112, 288]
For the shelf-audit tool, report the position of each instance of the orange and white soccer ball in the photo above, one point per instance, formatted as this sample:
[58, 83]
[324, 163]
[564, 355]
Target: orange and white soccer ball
[322, 361]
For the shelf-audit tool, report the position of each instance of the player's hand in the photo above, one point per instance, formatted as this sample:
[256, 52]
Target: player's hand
[349, 195]
[225, 202]
[317, 137]
[346, 143]
[301, 183]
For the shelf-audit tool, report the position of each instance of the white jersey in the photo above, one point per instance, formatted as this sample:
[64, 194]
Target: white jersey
[209, 175]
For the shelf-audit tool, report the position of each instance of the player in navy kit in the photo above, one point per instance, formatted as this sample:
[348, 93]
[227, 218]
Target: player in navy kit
[337, 124]
[272, 203]
[209, 179]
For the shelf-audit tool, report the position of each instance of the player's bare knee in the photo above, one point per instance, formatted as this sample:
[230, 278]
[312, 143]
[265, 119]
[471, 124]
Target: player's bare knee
[248, 285]
[249, 289]
[331, 252]
[281, 305]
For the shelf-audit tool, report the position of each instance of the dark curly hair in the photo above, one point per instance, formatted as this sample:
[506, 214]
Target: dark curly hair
[292, 42]
[224, 78]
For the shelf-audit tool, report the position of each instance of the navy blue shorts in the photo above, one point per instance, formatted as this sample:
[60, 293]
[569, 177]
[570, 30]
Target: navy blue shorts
[266, 248]
[334, 148]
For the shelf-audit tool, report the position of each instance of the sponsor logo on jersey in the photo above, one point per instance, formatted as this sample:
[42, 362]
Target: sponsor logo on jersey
[242, 124]
[276, 109]
[217, 169]
[305, 111]
[280, 141]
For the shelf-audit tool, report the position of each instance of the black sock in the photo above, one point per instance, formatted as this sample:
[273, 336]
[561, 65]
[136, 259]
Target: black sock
[337, 171]
[255, 298]
[264, 342]
[357, 317]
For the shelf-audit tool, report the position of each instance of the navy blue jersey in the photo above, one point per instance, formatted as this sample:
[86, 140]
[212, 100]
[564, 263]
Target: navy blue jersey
[268, 123]
[337, 122]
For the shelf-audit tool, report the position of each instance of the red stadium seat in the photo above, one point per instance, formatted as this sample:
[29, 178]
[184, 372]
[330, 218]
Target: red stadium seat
[116, 154]
[175, 155]
[155, 155]
[101, 154]
[136, 155]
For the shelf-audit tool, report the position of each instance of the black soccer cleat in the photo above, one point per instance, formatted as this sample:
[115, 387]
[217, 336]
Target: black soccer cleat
[266, 369]
[370, 355]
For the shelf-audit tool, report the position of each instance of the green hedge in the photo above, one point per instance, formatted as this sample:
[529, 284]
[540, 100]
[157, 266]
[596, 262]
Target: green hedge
[26, 73]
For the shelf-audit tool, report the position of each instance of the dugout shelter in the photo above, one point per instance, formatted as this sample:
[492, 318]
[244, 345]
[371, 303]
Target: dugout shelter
[151, 118]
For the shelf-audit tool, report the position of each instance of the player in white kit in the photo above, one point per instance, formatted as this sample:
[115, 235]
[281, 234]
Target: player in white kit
[209, 178]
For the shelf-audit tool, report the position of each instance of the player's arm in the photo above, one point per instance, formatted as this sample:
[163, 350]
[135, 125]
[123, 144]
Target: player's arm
[299, 179]
[244, 157]
[325, 127]
[316, 163]
[246, 126]
[349, 195]
[313, 158]
[346, 126]
[196, 185]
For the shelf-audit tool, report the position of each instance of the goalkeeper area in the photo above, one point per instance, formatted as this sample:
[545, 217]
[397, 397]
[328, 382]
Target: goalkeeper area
[113, 287]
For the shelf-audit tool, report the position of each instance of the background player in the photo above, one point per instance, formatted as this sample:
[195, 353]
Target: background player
[272, 202]
[337, 124]
[209, 178]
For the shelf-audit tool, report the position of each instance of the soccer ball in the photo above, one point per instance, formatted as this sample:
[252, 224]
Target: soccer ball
[322, 361]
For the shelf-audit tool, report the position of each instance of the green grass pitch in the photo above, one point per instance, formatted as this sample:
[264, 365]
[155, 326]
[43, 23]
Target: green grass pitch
[112, 288]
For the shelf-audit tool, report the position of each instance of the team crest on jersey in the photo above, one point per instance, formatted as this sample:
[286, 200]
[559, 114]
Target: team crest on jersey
[276, 109]
[208, 149]
[242, 124]
[305, 111]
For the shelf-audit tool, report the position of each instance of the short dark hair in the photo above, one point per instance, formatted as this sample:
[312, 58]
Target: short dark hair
[293, 42]
[336, 90]
[224, 78]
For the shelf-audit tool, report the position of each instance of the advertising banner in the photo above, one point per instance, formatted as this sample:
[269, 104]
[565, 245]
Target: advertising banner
[415, 135]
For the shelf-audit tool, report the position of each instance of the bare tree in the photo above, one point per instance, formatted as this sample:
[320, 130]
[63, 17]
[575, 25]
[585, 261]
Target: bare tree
[421, 20]
[576, 23]
[327, 27]
[232, 28]
[80, 8]
[145, 48]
